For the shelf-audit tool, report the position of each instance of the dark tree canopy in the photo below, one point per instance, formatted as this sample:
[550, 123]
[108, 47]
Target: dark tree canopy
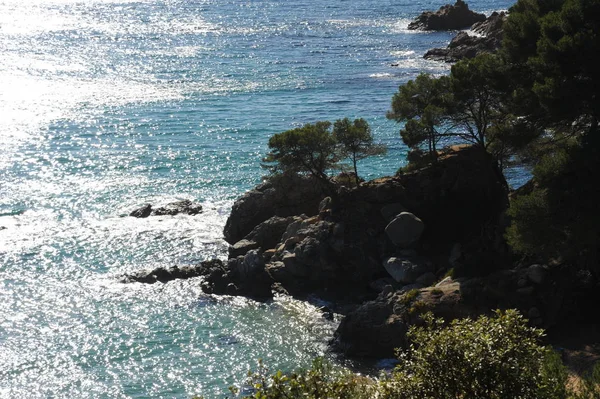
[467, 106]
[315, 149]
[355, 141]
[308, 149]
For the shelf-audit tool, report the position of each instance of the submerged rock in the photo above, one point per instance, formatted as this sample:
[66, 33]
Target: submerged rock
[448, 17]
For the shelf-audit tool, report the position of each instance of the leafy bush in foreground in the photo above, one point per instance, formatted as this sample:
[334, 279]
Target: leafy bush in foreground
[491, 357]
[496, 357]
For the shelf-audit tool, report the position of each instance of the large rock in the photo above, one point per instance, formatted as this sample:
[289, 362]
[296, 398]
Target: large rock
[283, 196]
[448, 17]
[268, 233]
[463, 45]
[405, 230]
[185, 207]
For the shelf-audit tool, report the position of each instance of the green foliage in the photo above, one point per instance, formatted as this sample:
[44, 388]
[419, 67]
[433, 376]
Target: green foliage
[321, 381]
[315, 149]
[467, 106]
[491, 357]
[409, 296]
[549, 46]
[496, 357]
[421, 103]
[308, 149]
[558, 218]
[355, 141]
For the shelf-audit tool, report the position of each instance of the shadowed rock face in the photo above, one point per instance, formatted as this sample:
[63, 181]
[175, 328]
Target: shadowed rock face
[448, 17]
[378, 327]
[285, 196]
[464, 45]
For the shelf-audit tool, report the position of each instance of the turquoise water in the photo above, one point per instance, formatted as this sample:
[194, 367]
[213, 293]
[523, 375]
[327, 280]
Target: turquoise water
[106, 105]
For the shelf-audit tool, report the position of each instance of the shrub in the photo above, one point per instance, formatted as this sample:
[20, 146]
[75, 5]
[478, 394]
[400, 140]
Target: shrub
[322, 380]
[496, 357]
[491, 357]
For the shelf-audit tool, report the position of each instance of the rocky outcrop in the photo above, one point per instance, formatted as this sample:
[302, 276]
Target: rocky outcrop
[463, 45]
[185, 207]
[284, 196]
[165, 274]
[378, 327]
[448, 17]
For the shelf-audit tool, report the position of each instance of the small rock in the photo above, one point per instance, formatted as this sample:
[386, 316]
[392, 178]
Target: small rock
[186, 207]
[325, 204]
[379, 284]
[241, 247]
[142, 212]
[268, 254]
[278, 289]
[405, 270]
[252, 262]
[387, 290]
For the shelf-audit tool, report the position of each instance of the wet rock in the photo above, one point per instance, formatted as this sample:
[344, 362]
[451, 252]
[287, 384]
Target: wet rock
[165, 274]
[448, 17]
[464, 45]
[186, 207]
[142, 212]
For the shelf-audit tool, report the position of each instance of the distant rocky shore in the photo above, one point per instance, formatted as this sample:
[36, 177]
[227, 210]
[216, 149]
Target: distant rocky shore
[388, 250]
[485, 34]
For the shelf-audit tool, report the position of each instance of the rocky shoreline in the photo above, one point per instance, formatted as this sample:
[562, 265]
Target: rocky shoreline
[386, 252]
[484, 36]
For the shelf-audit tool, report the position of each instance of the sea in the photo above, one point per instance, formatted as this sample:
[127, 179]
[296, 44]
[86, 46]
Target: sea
[106, 105]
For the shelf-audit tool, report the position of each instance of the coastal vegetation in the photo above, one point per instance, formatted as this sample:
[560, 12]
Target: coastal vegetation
[420, 260]
[315, 149]
[535, 103]
[493, 357]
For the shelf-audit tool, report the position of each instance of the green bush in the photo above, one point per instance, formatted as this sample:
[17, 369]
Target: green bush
[496, 357]
[322, 380]
[491, 357]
